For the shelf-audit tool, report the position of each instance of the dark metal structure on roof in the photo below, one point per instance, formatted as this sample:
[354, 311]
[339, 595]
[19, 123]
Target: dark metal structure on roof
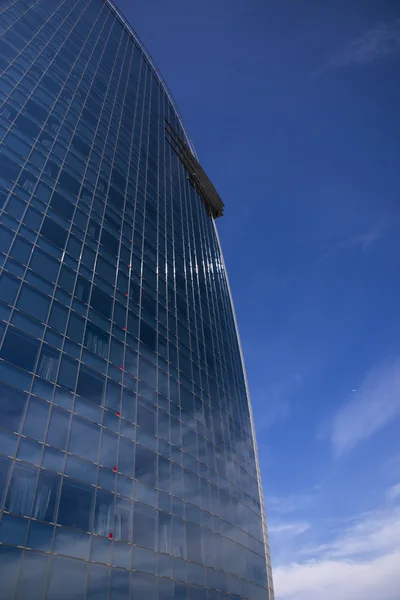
[197, 176]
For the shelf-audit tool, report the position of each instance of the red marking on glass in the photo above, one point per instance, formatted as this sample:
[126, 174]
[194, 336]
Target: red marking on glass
[110, 535]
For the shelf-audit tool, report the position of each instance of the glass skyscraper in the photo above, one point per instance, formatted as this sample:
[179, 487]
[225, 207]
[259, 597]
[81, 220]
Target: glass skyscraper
[128, 465]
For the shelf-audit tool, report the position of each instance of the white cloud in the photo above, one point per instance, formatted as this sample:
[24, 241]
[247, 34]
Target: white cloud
[283, 505]
[360, 240]
[369, 409]
[362, 562]
[366, 239]
[375, 44]
[290, 529]
[374, 533]
[394, 492]
[377, 579]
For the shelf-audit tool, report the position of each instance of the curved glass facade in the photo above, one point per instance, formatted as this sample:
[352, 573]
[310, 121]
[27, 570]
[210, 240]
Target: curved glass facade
[127, 458]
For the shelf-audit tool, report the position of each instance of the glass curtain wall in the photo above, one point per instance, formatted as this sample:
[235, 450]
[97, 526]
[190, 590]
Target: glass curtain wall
[127, 463]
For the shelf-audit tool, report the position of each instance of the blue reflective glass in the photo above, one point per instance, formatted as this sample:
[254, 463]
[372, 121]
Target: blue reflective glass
[99, 582]
[13, 530]
[12, 404]
[33, 303]
[127, 409]
[40, 536]
[76, 505]
[84, 439]
[9, 566]
[11, 350]
[32, 576]
[21, 489]
[67, 579]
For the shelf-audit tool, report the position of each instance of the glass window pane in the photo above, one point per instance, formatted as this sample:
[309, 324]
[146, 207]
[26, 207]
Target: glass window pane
[145, 466]
[11, 350]
[122, 555]
[113, 397]
[40, 536]
[81, 469]
[99, 582]
[75, 328]
[13, 530]
[76, 505]
[21, 250]
[90, 385]
[104, 513]
[96, 340]
[71, 543]
[20, 491]
[145, 586]
[12, 404]
[145, 526]
[123, 529]
[8, 443]
[67, 279]
[46, 497]
[62, 206]
[126, 460]
[9, 565]
[5, 464]
[48, 363]
[32, 577]
[101, 549]
[58, 317]
[165, 536]
[144, 560]
[33, 303]
[109, 449]
[120, 584]
[44, 265]
[84, 439]
[67, 373]
[30, 451]
[146, 417]
[67, 579]
[8, 287]
[101, 302]
[57, 433]
[179, 538]
[53, 232]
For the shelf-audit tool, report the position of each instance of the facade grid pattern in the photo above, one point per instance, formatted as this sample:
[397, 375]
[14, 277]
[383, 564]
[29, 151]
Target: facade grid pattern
[127, 460]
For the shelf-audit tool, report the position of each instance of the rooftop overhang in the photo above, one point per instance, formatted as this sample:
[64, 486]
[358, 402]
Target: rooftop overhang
[196, 174]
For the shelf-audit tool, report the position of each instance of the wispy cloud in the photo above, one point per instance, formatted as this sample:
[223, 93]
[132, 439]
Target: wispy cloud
[360, 240]
[360, 562]
[375, 44]
[394, 492]
[372, 534]
[290, 529]
[368, 409]
[293, 503]
[340, 580]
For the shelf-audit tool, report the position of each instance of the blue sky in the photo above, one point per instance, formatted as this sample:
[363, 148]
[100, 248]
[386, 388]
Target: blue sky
[294, 112]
